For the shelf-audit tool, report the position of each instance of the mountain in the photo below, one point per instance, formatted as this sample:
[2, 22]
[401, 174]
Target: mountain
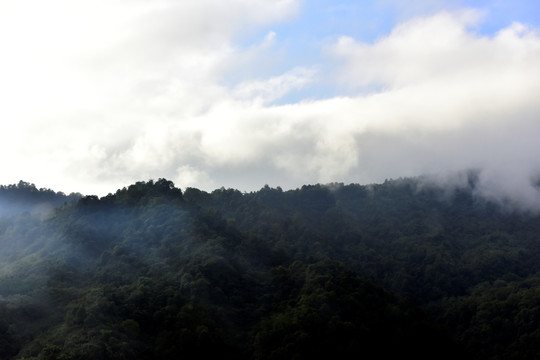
[25, 197]
[152, 272]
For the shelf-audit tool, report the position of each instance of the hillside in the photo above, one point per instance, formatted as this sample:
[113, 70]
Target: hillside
[25, 197]
[153, 272]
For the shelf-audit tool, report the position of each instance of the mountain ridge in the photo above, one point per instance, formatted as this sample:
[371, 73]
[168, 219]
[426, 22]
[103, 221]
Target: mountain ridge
[152, 271]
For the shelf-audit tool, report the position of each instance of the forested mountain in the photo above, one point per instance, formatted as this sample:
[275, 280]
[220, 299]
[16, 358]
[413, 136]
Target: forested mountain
[25, 197]
[342, 271]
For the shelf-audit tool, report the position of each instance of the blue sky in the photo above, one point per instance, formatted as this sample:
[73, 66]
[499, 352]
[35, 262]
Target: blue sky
[99, 94]
[302, 38]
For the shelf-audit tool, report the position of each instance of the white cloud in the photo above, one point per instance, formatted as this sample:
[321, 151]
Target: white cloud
[190, 176]
[94, 89]
[443, 107]
[450, 100]
[435, 48]
[265, 91]
[149, 93]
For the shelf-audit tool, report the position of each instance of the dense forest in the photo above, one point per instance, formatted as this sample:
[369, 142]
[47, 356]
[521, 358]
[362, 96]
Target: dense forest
[401, 268]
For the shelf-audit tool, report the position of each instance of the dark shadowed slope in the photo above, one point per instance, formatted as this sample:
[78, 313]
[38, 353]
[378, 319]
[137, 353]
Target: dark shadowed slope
[340, 271]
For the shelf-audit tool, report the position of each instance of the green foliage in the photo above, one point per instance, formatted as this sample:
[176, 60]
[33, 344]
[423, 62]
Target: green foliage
[396, 269]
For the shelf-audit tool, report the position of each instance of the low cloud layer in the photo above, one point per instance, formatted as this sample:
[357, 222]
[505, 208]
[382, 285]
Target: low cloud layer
[165, 89]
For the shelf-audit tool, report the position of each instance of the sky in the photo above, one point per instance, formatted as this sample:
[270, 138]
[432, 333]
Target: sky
[96, 95]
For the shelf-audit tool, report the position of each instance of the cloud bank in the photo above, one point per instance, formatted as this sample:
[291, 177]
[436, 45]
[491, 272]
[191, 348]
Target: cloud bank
[98, 95]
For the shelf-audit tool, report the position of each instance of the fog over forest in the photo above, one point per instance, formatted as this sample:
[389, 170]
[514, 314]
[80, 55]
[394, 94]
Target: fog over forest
[401, 268]
[269, 179]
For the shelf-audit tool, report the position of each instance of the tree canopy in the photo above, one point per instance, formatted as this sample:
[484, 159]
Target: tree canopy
[152, 271]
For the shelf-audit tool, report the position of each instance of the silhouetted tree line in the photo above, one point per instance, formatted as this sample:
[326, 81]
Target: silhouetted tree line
[343, 271]
[25, 197]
